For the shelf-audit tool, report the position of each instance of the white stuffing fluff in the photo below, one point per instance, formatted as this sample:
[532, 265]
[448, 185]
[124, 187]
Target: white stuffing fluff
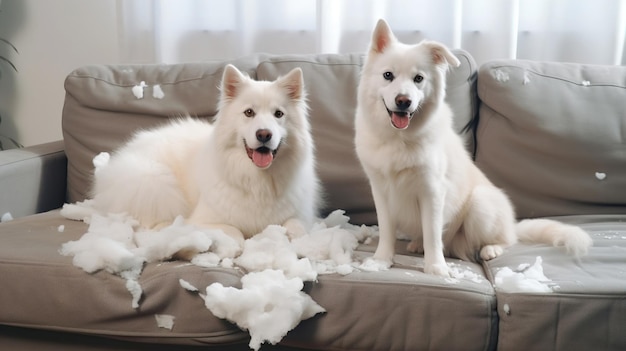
[108, 244]
[276, 267]
[187, 285]
[176, 238]
[6, 217]
[527, 278]
[458, 273]
[268, 305]
[157, 92]
[61, 228]
[271, 249]
[500, 75]
[165, 321]
[586, 83]
[600, 175]
[526, 79]
[138, 90]
[135, 290]
[79, 211]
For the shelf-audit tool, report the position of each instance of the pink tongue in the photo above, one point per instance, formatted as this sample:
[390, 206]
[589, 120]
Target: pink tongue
[400, 121]
[262, 159]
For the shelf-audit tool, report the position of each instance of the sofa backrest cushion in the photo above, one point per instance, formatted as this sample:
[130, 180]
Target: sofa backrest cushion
[101, 112]
[553, 135]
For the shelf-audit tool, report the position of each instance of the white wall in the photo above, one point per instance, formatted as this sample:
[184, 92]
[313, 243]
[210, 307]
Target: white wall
[53, 38]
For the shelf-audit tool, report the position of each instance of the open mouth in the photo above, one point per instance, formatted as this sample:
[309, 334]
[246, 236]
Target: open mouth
[262, 157]
[400, 119]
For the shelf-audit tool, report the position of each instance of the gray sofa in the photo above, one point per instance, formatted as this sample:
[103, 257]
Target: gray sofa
[552, 135]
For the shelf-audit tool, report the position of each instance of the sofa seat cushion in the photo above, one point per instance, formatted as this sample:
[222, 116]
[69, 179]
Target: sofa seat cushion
[587, 308]
[44, 290]
[399, 309]
[553, 135]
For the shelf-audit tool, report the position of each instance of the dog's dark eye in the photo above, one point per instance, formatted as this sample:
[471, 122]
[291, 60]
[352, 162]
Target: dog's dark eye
[418, 78]
[278, 114]
[388, 76]
[249, 112]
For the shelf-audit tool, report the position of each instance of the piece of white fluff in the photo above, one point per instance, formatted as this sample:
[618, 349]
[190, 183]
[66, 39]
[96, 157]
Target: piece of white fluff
[135, 290]
[108, 244]
[157, 92]
[530, 279]
[500, 75]
[79, 211]
[187, 285]
[115, 243]
[271, 249]
[165, 321]
[268, 305]
[6, 217]
[526, 78]
[171, 240]
[138, 90]
[458, 273]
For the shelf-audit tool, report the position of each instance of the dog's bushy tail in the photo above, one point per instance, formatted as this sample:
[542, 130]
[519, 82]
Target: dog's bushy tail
[546, 231]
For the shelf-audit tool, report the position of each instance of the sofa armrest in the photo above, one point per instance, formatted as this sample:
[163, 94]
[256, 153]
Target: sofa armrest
[33, 179]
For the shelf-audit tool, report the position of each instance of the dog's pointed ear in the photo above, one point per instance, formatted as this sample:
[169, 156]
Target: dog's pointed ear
[382, 37]
[441, 54]
[231, 81]
[293, 83]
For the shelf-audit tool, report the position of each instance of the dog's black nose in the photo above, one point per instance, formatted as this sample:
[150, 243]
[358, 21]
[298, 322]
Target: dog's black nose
[403, 102]
[263, 135]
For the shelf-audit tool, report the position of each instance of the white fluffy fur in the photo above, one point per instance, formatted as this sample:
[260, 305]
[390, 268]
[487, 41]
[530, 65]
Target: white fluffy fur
[203, 172]
[423, 181]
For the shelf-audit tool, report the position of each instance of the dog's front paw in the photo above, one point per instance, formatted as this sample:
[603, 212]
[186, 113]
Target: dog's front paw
[440, 269]
[415, 246]
[489, 252]
[372, 264]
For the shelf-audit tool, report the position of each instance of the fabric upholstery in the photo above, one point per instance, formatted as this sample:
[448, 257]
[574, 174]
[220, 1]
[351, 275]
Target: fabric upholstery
[547, 128]
[586, 311]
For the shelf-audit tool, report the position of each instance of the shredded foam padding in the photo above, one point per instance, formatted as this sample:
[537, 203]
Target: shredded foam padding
[187, 285]
[268, 305]
[500, 75]
[157, 92]
[276, 266]
[165, 321]
[6, 217]
[138, 90]
[526, 278]
[459, 273]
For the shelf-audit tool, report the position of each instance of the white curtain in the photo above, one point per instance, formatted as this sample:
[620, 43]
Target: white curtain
[170, 31]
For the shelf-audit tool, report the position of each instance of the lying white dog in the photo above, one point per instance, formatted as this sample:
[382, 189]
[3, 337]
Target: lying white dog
[254, 166]
[423, 181]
